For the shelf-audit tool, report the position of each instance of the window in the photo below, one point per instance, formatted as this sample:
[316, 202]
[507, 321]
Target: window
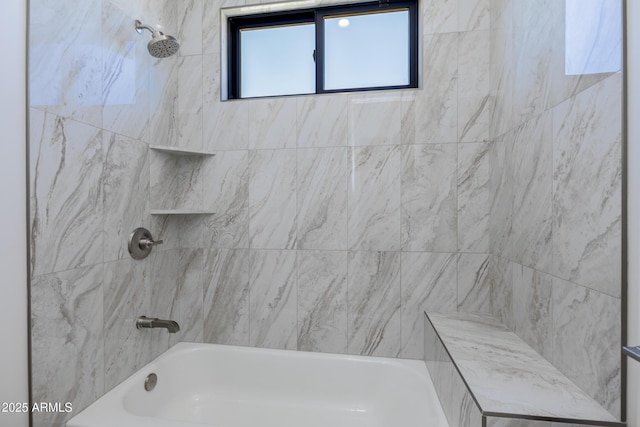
[329, 49]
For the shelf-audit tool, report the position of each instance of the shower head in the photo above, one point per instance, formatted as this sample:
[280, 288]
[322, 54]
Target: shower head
[161, 45]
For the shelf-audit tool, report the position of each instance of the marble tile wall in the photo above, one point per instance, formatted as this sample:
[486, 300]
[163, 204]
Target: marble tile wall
[555, 178]
[339, 218]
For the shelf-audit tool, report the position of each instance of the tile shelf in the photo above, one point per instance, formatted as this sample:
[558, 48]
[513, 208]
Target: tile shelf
[179, 153]
[180, 212]
[500, 377]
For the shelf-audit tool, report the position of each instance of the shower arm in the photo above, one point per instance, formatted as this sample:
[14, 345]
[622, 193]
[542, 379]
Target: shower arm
[140, 26]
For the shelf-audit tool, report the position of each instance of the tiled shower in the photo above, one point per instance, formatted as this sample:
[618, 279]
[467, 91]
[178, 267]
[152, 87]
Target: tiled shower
[494, 188]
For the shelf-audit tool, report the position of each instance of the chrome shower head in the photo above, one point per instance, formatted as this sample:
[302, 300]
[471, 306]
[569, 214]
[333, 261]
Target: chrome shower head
[161, 45]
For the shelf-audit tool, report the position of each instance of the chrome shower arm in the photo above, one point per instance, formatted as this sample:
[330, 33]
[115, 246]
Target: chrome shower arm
[140, 26]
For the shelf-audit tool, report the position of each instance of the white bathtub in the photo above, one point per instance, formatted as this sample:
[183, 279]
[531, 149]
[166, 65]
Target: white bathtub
[214, 385]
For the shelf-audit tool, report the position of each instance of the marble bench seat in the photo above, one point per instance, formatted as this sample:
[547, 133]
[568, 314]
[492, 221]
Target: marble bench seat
[486, 376]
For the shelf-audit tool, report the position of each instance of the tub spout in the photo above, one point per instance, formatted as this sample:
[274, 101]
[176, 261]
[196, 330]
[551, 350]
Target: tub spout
[148, 322]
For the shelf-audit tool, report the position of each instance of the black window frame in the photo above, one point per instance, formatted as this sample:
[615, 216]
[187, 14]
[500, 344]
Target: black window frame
[316, 16]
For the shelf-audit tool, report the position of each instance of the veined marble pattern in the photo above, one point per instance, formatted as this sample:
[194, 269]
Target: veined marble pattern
[272, 199]
[226, 296]
[211, 24]
[66, 59]
[501, 76]
[125, 192]
[226, 124]
[532, 308]
[440, 16]
[473, 15]
[373, 291]
[428, 197]
[313, 113]
[500, 176]
[587, 155]
[126, 296]
[190, 104]
[125, 68]
[176, 182]
[273, 299]
[322, 188]
[226, 192]
[587, 338]
[322, 301]
[190, 16]
[474, 283]
[67, 321]
[436, 110]
[532, 46]
[272, 123]
[501, 279]
[532, 193]
[66, 194]
[474, 100]
[163, 102]
[474, 198]
[507, 376]
[428, 283]
[189, 297]
[375, 119]
[374, 198]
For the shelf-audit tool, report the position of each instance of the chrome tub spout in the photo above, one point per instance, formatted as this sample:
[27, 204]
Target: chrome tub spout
[148, 322]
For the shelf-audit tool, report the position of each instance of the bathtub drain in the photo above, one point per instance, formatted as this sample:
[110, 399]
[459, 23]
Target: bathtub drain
[150, 382]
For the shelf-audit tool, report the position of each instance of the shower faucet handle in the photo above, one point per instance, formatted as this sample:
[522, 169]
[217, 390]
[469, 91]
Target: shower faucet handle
[141, 242]
[148, 243]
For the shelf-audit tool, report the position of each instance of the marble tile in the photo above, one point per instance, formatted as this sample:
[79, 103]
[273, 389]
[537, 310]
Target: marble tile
[66, 162]
[532, 315]
[67, 340]
[272, 199]
[164, 270]
[126, 296]
[507, 376]
[211, 28]
[502, 297]
[501, 183]
[322, 188]
[440, 16]
[474, 15]
[226, 296]
[272, 123]
[428, 197]
[125, 192]
[436, 110]
[125, 75]
[587, 146]
[587, 338]
[190, 107]
[322, 301]
[374, 198]
[190, 27]
[65, 61]
[226, 192]
[474, 283]
[176, 182]
[314, 113]
[375, 119]
[373, 292]
[226, 124]
[501, 76]
[428, 282]
[189, 297]
[567, 84]
[511, 422]
[532, 159]
[164, 109]
[273, 299]
[473, 197]
[474, 101]
[532, 47]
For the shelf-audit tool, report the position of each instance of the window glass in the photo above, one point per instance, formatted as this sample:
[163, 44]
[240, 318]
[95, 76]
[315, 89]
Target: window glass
[368, 50]
[277, 60]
